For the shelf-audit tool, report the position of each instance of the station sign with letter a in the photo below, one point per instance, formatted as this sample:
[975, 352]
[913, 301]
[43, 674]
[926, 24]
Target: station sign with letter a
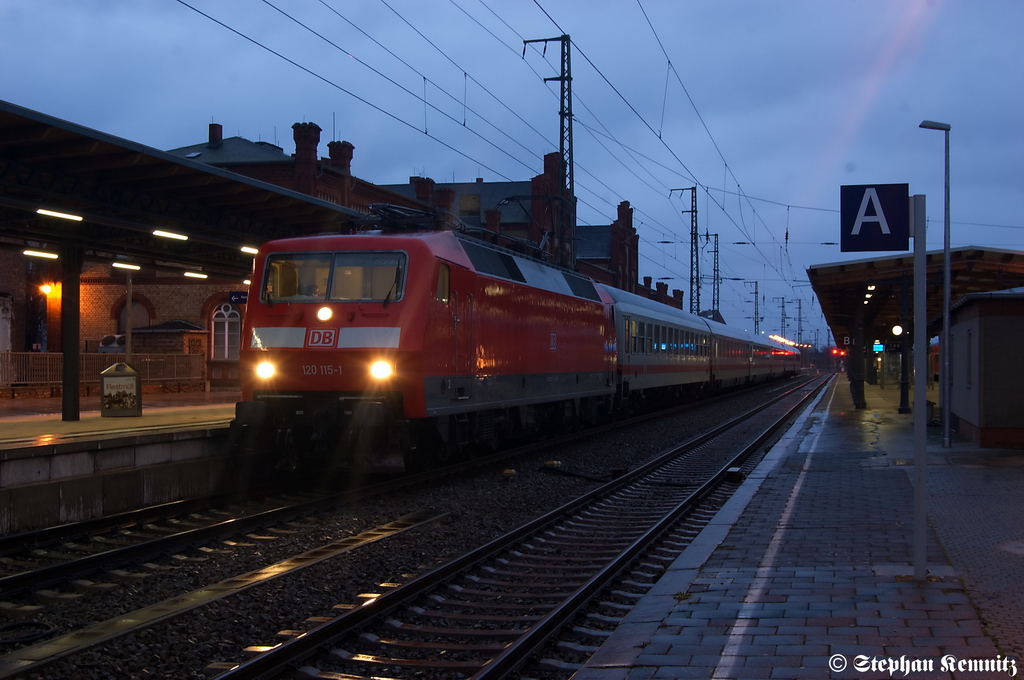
[874, 217]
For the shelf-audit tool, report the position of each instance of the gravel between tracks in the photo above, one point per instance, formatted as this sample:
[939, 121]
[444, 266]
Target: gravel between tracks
[481, 506]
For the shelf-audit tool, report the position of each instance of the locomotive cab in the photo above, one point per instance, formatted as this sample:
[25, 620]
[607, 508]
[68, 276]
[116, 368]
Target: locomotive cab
[322, 360]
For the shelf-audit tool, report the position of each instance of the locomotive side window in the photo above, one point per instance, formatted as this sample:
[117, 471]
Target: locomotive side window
[443, 283]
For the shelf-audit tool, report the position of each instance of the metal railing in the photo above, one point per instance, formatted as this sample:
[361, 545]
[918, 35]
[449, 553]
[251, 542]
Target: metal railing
[46, 368]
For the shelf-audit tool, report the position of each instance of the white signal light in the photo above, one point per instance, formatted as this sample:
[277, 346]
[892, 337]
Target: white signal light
[324, 313]
[381, 370]
[265, 369]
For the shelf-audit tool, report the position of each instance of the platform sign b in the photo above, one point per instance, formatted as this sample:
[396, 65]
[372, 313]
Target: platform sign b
[874, 217]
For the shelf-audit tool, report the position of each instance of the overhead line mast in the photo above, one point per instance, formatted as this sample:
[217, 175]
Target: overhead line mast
[694, 251]
[565, 236]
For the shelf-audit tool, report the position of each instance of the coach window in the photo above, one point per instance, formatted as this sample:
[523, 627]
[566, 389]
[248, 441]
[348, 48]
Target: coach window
[443, 283]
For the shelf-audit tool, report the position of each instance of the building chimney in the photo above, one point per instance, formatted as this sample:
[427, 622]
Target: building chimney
[492, 220]
[307, 138]
[647, 282]
[216, 135]
[341, 156]
[424, 189]
[445, 199]
[662, 289]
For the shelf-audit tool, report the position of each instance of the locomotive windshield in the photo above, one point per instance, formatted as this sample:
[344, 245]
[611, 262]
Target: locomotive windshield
[340, 277]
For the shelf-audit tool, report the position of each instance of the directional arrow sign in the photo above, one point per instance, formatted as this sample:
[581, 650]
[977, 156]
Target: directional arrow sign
[874, 217]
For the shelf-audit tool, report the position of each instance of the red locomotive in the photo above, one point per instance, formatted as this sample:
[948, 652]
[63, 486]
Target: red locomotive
[433, 342]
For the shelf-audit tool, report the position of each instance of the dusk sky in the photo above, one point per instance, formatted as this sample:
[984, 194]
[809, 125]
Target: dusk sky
[767, 107]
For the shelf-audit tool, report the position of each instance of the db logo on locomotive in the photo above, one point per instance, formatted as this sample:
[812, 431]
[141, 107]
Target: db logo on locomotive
[321, 337]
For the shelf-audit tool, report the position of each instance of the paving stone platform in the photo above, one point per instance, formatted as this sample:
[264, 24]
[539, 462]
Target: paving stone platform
[807, 571]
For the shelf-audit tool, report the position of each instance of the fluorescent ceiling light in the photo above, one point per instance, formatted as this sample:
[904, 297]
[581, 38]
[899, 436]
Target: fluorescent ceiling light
[40, 253]
[170, 234]
[195, 275]
[63, 216]
[125, 265]
[251, 251]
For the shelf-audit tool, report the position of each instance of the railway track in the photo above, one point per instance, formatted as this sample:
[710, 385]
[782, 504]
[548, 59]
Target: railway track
[56, 566]
[489, 612]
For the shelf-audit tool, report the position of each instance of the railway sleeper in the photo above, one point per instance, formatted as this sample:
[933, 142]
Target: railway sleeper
[568, 559]
[639, 585]
[418, 645]
[603, 618]
[469, 604]
[473, 616]
[576, 550]
[314, 673]
[558, 537]
[541, 585]
[417, 629]
[615, 606]
[507, 592]
[544, 573]
[537, 566]
[384, 661]
[627, 595]
[592, 633]
[568, 646]
[20, 611]
[558, 665]
[598, 527]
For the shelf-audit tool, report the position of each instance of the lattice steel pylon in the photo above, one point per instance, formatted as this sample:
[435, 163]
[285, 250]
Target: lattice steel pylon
[565, 232]
[694, 255]
[694, 251]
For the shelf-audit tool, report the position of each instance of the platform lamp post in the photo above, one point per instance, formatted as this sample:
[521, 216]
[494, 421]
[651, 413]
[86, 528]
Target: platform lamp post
[128, 269]
[944, 381]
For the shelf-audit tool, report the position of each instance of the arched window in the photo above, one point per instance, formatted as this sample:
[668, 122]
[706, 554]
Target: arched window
[140, 316]
[226, 324]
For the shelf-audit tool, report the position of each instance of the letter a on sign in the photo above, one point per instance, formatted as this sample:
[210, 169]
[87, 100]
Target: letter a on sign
[874, 217]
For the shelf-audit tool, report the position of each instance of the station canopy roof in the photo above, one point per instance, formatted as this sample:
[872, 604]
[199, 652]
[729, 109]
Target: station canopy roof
[124, 191]
[842, 286]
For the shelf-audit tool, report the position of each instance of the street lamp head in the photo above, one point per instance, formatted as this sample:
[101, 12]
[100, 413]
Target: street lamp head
[932, 125]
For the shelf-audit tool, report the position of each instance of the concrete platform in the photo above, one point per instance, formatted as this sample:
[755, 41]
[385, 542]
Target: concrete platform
[54, 471]
[38, 421]
[807, 571]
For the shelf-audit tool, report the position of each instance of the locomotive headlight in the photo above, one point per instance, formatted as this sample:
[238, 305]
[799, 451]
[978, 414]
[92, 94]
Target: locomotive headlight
[381, 370]
[324, 313]
[265, 369]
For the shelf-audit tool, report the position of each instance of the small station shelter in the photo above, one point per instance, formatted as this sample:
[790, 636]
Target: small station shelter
[864, 300]
[986, 368]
